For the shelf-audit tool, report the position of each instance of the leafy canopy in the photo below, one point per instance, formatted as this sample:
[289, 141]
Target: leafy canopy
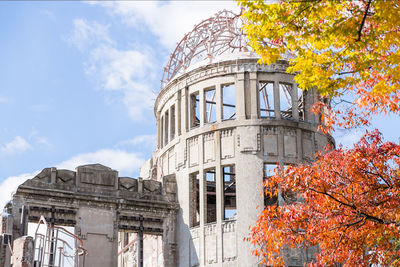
[348, 200]
[352, 214]
[334, 46]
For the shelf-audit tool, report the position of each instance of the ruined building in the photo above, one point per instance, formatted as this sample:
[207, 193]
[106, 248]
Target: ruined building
[223, 121]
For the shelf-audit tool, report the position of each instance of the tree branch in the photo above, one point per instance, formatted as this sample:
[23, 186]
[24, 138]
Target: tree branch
[363, 21]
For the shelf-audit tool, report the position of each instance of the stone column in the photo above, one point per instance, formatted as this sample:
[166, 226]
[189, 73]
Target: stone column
[277, 102]
[249, 188]
[100, 236]
[219, 190]
[218, 100]
[253, 96]
[169, 243]
[23, 252]
[240, 97]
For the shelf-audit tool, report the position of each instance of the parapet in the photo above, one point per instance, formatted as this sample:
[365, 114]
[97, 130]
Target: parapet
[96, 179]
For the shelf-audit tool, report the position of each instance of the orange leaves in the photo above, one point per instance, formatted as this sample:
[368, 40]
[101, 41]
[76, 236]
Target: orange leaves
[348, 205]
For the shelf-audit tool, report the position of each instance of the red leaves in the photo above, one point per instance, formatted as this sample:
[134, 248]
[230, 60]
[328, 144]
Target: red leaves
[349, 205]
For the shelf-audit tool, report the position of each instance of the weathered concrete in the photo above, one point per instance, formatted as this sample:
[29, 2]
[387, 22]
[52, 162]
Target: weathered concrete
[247, 143]
[23, 252]
[99, 204]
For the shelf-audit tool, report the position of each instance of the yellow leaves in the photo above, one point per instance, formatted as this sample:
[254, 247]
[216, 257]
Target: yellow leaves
[335, 48]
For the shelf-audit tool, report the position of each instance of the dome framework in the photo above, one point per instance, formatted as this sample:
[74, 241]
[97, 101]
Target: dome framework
[212, 37]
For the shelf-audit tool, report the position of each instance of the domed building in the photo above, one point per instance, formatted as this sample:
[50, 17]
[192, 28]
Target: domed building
[223, 122]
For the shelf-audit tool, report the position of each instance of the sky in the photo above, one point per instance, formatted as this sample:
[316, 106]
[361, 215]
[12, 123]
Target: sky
[78, 81]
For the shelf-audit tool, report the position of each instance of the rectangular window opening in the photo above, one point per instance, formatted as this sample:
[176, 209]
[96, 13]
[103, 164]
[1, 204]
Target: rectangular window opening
[152, 249]
[229, 176]
[228, 102]
[300, 104]
[194, 110]
[269, 170]
[194, 184]
[211, 196]
[172, 122]
[211, 105]
[266, 99]
[62, 239]
[285, 99]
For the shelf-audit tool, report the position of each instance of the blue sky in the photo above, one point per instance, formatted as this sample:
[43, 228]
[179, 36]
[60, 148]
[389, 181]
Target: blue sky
[78, 81]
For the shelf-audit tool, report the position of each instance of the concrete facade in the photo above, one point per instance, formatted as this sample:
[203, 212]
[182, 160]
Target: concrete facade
[220, 161]
[98, 204]
[222, 127]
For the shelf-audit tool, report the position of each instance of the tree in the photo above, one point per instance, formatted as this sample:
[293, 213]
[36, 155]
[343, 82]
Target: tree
[335, 46]
[352, 214]
[347, 201]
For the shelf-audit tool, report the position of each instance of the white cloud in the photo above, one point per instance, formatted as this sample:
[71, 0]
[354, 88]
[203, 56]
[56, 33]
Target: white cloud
[142, 140]
[38, 139]
[10, 184]
[347, 138]
[86, 33]
[3, 99]
[126, 71]
[120, 160]
[17, 145]
[169, 21]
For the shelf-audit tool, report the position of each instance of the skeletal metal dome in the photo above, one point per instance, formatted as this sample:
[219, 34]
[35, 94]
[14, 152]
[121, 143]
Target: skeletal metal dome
[210, 38]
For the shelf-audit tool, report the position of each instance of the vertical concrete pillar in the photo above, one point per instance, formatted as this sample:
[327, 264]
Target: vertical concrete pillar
[6, 225]
[184, 110]
[158, 124]
[240, 96]
[218, 100]
[202, 197]
[177, 114]
[100, 236]
[253, 96]
[169, 242]
[202, 109]
[277, 102]
[203, 213]
[170, 125]
[23, 252]
[295, 102]
[219, 190]
[249, 197]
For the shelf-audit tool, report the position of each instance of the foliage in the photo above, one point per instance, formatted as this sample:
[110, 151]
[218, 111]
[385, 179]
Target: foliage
[348, 200]
[335, 46]
[353, 213]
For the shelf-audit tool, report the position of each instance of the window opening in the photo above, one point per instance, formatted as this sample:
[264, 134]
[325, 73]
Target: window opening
[194, 199]
[301, 107]
[285, 99]
[172, 122]
[228, 102]
[166, 122]
[194, 110]
[211, 105]
[211, 196]
[269, 171]
[63, 240]
[228, 173]
[266, 99]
